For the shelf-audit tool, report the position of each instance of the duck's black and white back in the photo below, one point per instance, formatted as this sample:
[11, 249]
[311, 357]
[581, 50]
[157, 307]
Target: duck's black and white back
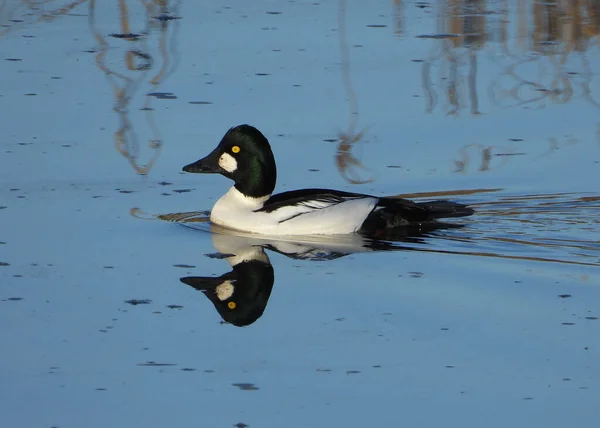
[244, 155]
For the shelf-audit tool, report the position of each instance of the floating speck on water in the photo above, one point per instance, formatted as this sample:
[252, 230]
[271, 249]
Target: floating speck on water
[3, 207]
[164, 183]
[108, 267]
[188, 369]
[376, 26]
[55, 77]
[165, 17]
[4, 264]
[200, 102]
[100, 389]
[564, 296]
[314, 170]
[135, 302]
[208, 371]
[246, 386]
[324, 370]
[174, 306]
[163, 95]
[184, 266]
[182, 190]
[261, 74]
[30, 94]
[155, 364]
[128, 36]
[568, 323]
[218, 255]
[125, 191]
[274, 13]
[13, 299]
[510, 154]
[393, 166]
[515, 139]
[13, 59]
[349, 372]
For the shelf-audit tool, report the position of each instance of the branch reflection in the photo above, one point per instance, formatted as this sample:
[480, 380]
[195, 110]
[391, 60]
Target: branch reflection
[158, 30]
[540, 52]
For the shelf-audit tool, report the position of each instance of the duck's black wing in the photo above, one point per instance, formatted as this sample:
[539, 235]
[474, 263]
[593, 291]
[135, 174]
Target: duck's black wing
[309, 197]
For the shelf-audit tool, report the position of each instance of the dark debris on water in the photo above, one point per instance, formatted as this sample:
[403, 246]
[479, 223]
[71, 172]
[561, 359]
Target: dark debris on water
[155, 364]
[246, 386]
[135, 302]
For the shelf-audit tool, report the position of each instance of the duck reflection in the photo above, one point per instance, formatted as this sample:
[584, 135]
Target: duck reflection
[241, 295]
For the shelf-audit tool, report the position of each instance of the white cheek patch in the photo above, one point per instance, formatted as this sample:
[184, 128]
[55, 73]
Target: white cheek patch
[224, 290]
[227, 162]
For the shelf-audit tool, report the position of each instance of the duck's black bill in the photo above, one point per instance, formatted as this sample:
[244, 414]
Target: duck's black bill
[207, 165]
[202, 283]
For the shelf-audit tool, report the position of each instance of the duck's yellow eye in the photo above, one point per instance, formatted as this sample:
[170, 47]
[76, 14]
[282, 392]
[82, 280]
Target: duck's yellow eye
[232, 305]
[235, 149]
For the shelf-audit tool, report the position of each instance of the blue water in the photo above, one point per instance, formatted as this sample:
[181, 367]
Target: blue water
[492, 324]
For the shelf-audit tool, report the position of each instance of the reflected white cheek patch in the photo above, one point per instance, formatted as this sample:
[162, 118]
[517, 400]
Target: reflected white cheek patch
[227, 162]
[224, 290]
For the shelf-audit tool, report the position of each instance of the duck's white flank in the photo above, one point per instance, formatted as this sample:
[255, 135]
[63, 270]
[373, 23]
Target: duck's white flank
[238, 212]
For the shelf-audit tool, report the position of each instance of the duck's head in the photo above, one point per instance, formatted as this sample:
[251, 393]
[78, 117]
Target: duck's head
[243, 155]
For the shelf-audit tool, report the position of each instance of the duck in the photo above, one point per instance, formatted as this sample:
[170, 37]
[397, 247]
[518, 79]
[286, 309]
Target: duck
[244, 155]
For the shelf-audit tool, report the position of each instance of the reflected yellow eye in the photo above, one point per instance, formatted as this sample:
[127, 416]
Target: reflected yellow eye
[232, 305]
[235, 149]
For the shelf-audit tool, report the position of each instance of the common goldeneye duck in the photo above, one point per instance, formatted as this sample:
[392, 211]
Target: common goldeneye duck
[244, 155]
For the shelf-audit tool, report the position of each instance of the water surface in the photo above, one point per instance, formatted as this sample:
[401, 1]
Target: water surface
[491, 103]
